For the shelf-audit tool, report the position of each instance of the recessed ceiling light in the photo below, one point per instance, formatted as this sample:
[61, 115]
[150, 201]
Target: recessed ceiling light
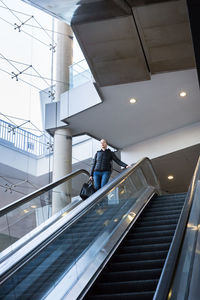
[170, 177]
[133, 100]
[33, 206]
[183, 94]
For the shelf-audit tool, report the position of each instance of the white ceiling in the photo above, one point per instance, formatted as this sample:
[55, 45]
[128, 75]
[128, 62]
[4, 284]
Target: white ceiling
[128, 41]
[181, 164]
[159, 109]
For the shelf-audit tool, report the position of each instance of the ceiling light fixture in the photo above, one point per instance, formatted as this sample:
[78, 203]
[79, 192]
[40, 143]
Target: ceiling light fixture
[133, 100]
[170, 177]
[183, 94]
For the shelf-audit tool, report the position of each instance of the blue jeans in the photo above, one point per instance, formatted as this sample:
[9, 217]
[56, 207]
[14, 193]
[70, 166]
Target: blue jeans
[101, 178]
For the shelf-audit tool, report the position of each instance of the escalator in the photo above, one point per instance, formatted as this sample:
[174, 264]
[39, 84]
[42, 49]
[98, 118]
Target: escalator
[114, 245]
[135, 268]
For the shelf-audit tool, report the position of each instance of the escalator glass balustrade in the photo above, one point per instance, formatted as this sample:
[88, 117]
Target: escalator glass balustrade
[27, 216]
[66, 255]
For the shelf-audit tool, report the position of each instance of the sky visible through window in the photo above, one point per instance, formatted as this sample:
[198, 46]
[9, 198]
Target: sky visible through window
[26, 60]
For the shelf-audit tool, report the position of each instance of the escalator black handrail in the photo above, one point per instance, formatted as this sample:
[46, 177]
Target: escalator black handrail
[46, 188]
[54, 231]
[165, 280]
[117, 180]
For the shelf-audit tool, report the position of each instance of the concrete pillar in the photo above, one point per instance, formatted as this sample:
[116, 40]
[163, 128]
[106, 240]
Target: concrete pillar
[62, 165]
[62, 160]
[64, 57]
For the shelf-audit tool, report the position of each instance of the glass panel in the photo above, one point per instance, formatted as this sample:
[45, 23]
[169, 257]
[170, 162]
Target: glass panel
[79, 244]
[147, 171]
[79, 73]
[93, 230]
[22, 220]
[5, 238]
[32, 280]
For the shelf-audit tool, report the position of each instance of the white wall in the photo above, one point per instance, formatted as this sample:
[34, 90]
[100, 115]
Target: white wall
[81, 150]
[78, 99]
[152, 148]
[18, 160]
[44, 165]
[164, 144]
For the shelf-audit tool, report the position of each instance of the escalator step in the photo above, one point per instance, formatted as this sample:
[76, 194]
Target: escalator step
[162, 213]
[166, 205]
[124, 296]
[164, 209]
[138, 229]
[148, 241]
[171, 196]
[140, 256]
[145, 234]
[153, 219]
[126, 286]
[168, 201]
[158, 222]
[131, 275]
[138, 265]
[143, 248]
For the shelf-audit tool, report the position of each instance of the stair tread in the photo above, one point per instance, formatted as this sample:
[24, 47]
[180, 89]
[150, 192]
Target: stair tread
[145, 240]
[147, 247]
[148, 295]
[154, 233]
[152, 253]
[137, 265]
[126, 286]
[131, 274]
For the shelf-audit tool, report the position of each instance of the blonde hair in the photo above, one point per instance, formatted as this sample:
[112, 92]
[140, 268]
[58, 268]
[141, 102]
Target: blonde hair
[104, 141]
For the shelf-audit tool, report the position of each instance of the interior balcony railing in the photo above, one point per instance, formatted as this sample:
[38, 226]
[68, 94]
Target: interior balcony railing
[24, 141]
[79, 74]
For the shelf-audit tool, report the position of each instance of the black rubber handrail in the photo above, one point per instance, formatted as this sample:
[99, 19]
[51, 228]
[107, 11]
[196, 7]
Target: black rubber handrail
[169, 266]
[41, 191]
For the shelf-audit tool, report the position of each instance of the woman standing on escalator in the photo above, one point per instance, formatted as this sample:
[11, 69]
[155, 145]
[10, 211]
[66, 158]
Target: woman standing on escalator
[102, 165]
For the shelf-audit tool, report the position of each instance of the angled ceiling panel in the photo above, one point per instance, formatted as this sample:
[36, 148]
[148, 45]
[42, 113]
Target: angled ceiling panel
[113, 50]
[165, 32]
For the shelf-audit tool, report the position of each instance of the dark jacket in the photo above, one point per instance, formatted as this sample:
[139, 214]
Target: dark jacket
[103, 161]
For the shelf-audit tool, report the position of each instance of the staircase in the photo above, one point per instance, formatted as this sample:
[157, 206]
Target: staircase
[134, 270]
